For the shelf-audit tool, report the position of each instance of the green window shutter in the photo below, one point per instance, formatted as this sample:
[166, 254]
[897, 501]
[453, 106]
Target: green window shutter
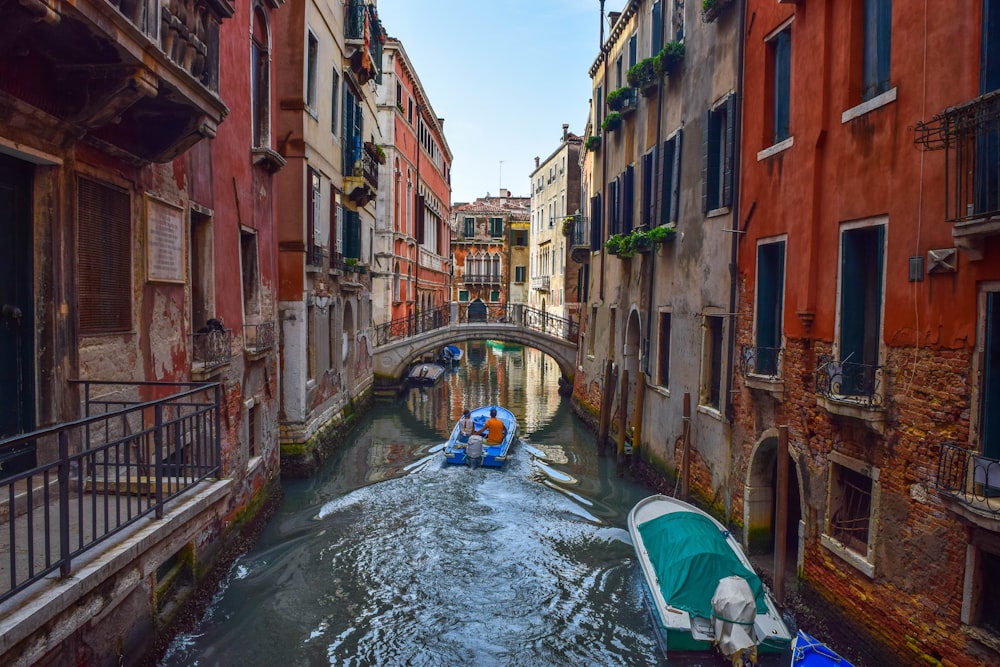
[705, 134]
[352, 234]
[675, 185]
[730, 149]
[628, 198]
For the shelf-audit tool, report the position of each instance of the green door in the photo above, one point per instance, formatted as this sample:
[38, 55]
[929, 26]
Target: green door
[17, 369]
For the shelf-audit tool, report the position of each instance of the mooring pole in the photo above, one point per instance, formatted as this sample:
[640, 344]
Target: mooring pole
[623, 422]
[607, 392]
[640, 399]
[781, 515]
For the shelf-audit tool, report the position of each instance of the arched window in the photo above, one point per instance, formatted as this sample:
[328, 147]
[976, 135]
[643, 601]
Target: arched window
[260, 79]
[395, 283]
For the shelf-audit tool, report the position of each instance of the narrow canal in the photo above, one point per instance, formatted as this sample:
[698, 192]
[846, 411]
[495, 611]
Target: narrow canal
[390, 558]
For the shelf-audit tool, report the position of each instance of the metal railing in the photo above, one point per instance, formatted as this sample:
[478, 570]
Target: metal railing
[411, 325]
[482, 279]
[969, 477]
[211, 349]
[970, 134]
[366, 166]
[540, 283]
[761, 362]
[138, 446]
[579, 236]
[849, 382]
[258, 338]
[550, 324]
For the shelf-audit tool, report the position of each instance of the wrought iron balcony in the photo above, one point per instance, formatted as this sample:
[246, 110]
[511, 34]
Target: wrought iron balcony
[362, 187]
[848, 382]
[969, 478]
[482, 279]
[579, 238]
[761, 362]
[137, 78]
[136, 447]
[259, 338]
[540, 283]
[970, 134]
[211, 349]
[364, 36]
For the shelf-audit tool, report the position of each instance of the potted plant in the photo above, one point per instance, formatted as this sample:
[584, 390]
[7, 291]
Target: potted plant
[614, 244]
[639, 241]
[642, 75]
[621, 99]
[350, 263]
[593, 142]
[662, 233]
[669, 57]
[612, 122]
[567, 225]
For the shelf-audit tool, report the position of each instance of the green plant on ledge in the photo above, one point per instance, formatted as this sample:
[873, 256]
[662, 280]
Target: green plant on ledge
[642, 74]
[620, 246]
[662, 233]
[593, 142]
[669, 57]
[350, 262]
[612, 122]
[617, 99]
[567, 225]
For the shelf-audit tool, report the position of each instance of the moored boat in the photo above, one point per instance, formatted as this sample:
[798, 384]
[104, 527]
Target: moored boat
[703, 589]
[494, 455]
[425, 373]
[451, 354]
[807, 651]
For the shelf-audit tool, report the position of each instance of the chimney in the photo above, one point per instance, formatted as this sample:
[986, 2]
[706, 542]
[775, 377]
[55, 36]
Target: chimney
[613, 18]
[565, 131]
[536, 162]
[441, 122]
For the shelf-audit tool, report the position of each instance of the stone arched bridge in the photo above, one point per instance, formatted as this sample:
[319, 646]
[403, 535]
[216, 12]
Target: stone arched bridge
[397, 344]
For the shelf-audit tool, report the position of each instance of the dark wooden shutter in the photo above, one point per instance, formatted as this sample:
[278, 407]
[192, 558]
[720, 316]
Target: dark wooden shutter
[730, 149]
[352, 234]
[104, 243]
[596, 233]
[657, 20]
[420, 232]
[628, 199]
[675, 177]
[705, 134]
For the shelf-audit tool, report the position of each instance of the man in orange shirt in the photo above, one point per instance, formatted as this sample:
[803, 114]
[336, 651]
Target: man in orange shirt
[495, 427]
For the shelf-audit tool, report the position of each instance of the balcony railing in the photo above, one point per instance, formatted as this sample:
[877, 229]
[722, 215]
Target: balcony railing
[482, 279]
[970, 133]
[969, 478]
[848, 382]
[259, 338]
[761, 362]
[366, 166]
[137, 446]
[540, 283]
[404, 327]
[553, 325]
[363, 30]
[211, 349]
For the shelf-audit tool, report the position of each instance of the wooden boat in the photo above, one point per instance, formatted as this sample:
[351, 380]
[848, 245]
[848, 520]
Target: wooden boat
[494, 456]
[703, 589]
[425, 373]
[451, 354]
[808, 651]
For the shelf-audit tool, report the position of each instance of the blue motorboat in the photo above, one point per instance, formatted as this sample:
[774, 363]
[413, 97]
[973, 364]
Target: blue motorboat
[494, 456]
[808, 651]
[451, 354]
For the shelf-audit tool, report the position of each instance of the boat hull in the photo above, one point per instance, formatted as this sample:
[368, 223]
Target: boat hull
[494, 456]
[425, 374]
[808, 651]
[680, 630]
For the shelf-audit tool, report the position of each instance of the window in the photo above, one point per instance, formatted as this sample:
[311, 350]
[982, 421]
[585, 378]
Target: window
[463, 295]
[314, 249]
[780, 70]
[595, 222]
[770, 290]
[614, 207]
[852, 502]
[470, 228]
[352, 234]
[633, 49]
[670, 183]
[646, 208]
[252, 431]
[105, 258]
[409, 111]
[353, 129]
[312, 57]
[260, 80]
[519, 274]
[495, 295]
[656, 40]
[591, 330]
[628, 198]
[860, 307]
[395, 282]
[496, 227]
[677, 21]
[520, 238]
[877, 48]
[334, 101]
[981, 598]
[989, 391]
[711, 389]
[251, 279]
[663, 352]
[598, 109]
[202, 269]
[717, 156]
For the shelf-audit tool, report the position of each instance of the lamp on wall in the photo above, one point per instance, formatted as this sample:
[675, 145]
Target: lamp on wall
[321, 295]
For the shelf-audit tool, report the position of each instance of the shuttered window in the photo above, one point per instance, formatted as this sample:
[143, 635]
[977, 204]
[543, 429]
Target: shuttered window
[877, 47]
[352, 234]
[717, 156]
[670, 183]
[105, 258]
[596, 237]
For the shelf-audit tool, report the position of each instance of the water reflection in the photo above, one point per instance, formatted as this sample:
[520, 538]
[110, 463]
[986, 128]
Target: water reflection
[389, 557]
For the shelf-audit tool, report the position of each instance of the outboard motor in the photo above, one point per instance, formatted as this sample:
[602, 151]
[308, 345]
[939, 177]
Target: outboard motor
[735, 609]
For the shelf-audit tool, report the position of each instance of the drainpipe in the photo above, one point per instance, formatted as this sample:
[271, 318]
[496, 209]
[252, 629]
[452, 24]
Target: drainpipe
[734, 255]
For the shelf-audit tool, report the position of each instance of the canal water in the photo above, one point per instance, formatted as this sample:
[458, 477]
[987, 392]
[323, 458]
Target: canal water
[388, 557]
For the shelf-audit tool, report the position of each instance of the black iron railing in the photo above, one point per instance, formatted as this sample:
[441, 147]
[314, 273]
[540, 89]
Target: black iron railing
[579, 236]
[969, 477]
[259, 338]
[848, 382]
[762, 362]
[404, 327]
[970, 134]
[138, 446]
[211, 349]
[550, 324]
[482, 279]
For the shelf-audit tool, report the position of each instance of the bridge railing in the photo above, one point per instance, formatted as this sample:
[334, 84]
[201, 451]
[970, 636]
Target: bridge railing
[502, 313]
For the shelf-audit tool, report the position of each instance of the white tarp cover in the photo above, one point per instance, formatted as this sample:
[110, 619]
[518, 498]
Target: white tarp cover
[735, 609]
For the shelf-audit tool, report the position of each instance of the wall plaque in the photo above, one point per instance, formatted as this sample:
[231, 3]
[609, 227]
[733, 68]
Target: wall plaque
[164, 242]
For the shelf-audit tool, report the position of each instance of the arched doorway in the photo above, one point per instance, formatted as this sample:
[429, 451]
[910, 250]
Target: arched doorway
[476, 311]
[760, 502]
[630, 365]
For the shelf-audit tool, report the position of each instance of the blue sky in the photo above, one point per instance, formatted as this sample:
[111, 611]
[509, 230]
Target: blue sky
[505, 75]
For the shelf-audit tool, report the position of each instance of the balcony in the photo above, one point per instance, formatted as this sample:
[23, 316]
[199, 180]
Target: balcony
[364, 37]
[970, 135]
[136, 78]
[540, 283]
[577, 229]
[362, 185]
[136, 447]
[851, 390]
[761, 368]
[972, 482]
[211, 349]
[482, 279]
[258, 338]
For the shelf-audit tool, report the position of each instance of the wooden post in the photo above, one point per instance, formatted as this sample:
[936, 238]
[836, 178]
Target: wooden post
[640, 399]
[623, 422]
[686, 448]
[781, 516]
[607, 394]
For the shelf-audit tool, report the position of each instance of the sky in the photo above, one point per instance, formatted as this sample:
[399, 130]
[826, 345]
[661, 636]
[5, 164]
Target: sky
[505, 75]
